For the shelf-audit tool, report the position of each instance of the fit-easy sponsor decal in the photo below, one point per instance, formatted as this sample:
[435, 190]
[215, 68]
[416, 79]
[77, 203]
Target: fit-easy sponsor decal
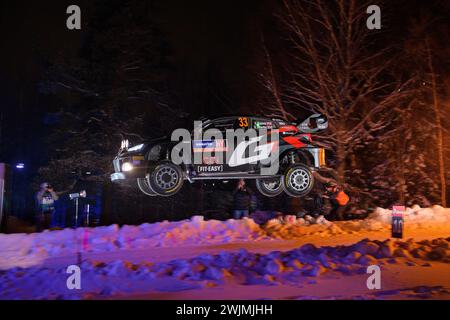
[208, 169]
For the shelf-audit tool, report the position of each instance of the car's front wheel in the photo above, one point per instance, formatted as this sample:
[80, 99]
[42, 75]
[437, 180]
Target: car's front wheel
[298, 180]
[166, 179]
[270, 187]
[144, 186]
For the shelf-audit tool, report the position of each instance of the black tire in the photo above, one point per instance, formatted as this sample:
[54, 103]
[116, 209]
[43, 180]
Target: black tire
[298, 181]
[144, 186]
[166, 179]
[270, 187]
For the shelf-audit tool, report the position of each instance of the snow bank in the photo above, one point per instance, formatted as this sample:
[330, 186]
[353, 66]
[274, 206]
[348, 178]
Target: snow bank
[416, 214]
[294, 267]
[25, 250]
[379, 220]
[18, 248]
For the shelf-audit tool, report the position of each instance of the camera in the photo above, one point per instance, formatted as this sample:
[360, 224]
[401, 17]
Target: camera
[81, 194]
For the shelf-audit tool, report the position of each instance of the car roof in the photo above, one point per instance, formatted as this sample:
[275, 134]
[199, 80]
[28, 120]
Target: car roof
[206, 121]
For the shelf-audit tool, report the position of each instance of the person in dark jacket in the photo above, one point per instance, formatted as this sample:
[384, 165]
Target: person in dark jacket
[45, 198]
[338, 199]
[242, 200]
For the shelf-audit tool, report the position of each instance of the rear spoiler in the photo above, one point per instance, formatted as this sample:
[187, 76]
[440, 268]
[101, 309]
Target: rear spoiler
[315, 123]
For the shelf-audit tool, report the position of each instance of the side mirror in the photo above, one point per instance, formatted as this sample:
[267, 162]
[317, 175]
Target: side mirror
[315, 123]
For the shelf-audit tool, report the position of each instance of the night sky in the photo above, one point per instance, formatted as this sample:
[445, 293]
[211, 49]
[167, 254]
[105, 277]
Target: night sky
[216, 39]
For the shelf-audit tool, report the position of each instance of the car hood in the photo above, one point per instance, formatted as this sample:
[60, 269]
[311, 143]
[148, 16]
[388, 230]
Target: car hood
[157, 140]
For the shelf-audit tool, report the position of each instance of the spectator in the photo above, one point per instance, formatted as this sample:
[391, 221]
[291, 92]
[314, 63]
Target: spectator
[45, 198]
[242, 200]
[338, 199]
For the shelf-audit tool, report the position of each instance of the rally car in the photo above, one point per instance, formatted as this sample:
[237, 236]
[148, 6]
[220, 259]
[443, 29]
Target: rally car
[150, 164]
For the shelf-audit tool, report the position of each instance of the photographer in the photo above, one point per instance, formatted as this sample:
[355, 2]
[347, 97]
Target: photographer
[45, 198]
[242, 200]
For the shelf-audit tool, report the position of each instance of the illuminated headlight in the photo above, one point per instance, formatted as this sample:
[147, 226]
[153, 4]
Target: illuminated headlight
[125, 144]
[127, 167]
[136, 148]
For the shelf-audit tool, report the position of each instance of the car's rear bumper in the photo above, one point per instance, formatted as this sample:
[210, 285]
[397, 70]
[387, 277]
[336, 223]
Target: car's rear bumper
[319, 156]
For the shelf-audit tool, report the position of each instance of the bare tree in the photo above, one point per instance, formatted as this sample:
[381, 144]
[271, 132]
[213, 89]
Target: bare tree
[404, 172]
[437, 115]
[335, 70]
[274, 104]
[425, 48]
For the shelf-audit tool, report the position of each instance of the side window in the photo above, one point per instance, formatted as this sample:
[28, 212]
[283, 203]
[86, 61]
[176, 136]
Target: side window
[223, 125]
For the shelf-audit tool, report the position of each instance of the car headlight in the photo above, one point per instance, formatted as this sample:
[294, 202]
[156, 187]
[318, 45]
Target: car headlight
[125, 144]
[127, 167]
[136, 148]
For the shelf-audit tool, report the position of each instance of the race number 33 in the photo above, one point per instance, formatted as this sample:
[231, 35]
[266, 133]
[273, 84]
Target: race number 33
[243, 122]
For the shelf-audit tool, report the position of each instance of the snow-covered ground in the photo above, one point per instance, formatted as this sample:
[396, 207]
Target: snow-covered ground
[283, 259]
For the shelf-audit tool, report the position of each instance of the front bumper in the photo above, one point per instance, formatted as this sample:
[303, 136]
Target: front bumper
[139, 168]
[118, 176]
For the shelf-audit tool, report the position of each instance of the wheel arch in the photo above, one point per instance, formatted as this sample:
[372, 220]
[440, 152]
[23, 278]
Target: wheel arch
[304, 156]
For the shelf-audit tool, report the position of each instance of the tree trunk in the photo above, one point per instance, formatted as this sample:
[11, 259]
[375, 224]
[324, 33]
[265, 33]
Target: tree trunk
[439, 135]
[340, 153]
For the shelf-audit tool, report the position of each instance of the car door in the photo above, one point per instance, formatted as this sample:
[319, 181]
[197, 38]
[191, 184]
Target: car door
[264, 127]
[238, 149]
[210, 152]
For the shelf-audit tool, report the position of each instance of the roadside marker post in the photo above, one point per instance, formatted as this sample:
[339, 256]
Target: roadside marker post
[398, 213]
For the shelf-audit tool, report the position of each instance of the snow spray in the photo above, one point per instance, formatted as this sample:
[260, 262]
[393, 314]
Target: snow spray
[397, 221]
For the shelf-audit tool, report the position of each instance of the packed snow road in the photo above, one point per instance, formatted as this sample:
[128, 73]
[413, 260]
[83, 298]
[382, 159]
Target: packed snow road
[199, 259]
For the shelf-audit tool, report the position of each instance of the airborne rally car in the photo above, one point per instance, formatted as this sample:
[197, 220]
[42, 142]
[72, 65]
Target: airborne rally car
[280, 155]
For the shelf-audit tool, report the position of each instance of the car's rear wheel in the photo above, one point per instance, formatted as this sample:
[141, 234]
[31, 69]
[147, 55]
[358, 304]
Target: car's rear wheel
[166, 179]
[298, 181]
[270, 187]
[144, 186]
